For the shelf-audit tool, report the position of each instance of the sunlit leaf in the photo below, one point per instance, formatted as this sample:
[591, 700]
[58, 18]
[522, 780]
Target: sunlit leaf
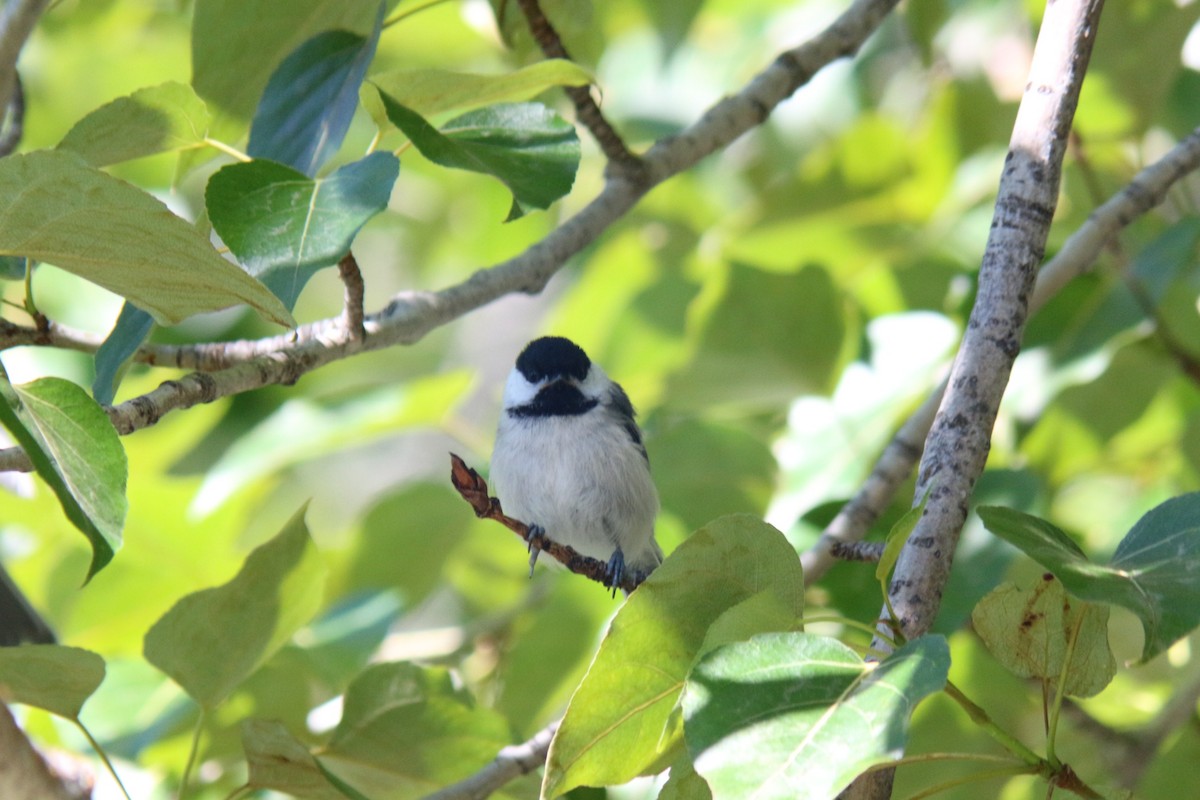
[1155, 571]
[532, 150]
[895, 541]
[273, 445]
[406, 731]
[615, 723]
[156, 119]
[76, 450]
[59, 210]
[278, 761]
[284, 226]
[56, 678]
[793, 715]
[757, 351]
[212, 640]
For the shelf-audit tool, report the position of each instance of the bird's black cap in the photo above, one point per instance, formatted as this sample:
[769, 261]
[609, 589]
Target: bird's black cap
[553, 356]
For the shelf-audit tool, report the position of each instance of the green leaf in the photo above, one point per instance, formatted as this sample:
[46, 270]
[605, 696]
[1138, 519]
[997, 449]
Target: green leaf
[756, 351]
[614, 726]
[284, 226]
[793, 715]
[237, 44]
[672, 21]
[1155, 571]
[129, 331]
[278, 761]
[684, 783]
[406, 731]
[156, 119]
[212, 640]
[273, 446]
[705, 469]
[894, 543]
[1029, 631]
[435, 91]
[76, 450]
[57, 209]
[311, 97]
[12, 268]
[528, 147]
[53, 677]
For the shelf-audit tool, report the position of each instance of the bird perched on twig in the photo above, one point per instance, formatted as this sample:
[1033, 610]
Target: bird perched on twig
[569, 459]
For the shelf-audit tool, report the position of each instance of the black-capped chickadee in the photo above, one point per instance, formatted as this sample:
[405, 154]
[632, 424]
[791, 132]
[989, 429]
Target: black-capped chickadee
[569, 459]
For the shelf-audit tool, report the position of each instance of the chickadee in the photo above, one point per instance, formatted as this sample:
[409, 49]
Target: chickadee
[569, 459]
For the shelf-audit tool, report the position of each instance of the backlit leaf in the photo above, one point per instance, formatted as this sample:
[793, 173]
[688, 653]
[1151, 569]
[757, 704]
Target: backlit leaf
[76, 450]
[795, 716]
[212, 640]
[434, 91]
[56, 678]
[1155, 571]
[57, 209]
[156, 119]
[615, 724]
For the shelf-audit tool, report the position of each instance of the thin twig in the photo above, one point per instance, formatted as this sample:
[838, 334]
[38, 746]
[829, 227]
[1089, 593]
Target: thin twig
[858, 551]
[17, 20]
[586, 110]
[474, 489]
[352, 310]
[410, 315]
[13, 120]
[959, 440]
[1078, 255]
[511, 763]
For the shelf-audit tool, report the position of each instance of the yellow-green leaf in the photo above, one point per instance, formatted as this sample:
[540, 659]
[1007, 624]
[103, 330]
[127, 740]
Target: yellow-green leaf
[212, 640]
[56, 208]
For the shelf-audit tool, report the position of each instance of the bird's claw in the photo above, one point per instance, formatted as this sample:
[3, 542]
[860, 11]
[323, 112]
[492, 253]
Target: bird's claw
[534, 533]
[614, 572]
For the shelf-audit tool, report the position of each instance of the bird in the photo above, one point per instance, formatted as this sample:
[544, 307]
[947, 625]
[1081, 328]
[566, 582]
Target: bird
[569, 460]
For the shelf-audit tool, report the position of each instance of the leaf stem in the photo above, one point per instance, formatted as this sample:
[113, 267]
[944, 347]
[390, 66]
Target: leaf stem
[228, 150]
[192, 753]
[999, 772]
[112, 770]
[30, 307]
[1060, 690]
[870, 630]
[1005, 739]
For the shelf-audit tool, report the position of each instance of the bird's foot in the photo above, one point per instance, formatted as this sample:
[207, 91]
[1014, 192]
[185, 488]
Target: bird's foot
[533, 539]
[615, 571]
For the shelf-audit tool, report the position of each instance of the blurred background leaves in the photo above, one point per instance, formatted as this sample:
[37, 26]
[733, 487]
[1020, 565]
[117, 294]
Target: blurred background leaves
[773, 313]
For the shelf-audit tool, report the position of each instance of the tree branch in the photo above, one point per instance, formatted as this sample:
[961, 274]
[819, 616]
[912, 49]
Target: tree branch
[17, 20]
[1078, 255]
[23, 773]
[586, 110]
[241, 366]
[474, 489]
[352, 310]
[511, 763]
[958, 442]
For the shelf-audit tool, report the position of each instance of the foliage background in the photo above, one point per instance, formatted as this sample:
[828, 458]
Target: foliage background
[774, 313]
